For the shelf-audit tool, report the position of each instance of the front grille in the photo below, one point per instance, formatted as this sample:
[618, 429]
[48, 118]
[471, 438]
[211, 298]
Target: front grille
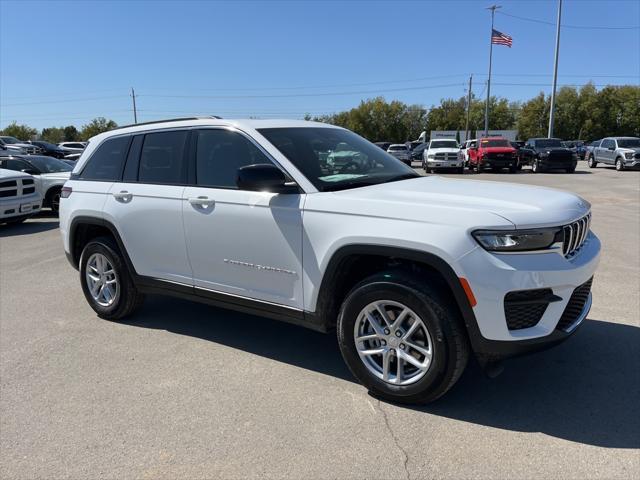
[637, 155]
[27, 181]
[499, 156]
[574, 235]
[560, 156]
[28, 190]
[8, 189]
[575, 306]
[446, 156]
[525, 308]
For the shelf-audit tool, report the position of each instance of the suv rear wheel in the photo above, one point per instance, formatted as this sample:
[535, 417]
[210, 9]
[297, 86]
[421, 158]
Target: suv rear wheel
[402, 339]
[592, 162]
[106, 282]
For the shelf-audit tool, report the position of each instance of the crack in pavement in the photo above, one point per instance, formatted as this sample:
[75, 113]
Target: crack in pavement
[395, 440]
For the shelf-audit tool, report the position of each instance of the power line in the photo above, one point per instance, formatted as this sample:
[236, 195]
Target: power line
[580, 27]
[75, 100]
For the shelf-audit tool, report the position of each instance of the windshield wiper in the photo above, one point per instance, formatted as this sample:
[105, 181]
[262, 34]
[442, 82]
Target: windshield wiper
[404, 176]
[346, 185]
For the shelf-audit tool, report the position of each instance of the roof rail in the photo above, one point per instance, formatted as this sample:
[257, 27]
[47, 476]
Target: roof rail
[166, 120]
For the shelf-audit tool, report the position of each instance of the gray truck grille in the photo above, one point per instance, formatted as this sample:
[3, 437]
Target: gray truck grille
[574, 235]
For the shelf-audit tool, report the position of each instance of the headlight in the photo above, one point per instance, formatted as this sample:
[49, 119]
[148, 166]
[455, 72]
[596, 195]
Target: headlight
[518, 240]
[628, 155]
[431, 155]
[460, 156]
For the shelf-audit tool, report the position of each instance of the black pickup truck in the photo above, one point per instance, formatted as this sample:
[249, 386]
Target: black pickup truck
[547, 154]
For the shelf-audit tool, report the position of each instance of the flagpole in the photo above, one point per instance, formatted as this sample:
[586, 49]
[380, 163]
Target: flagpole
[555, 74]
[493, 9]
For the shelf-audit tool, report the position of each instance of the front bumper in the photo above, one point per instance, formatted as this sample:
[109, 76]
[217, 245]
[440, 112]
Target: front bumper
[20, 207]
[559, 164]
[431, 163]
[632, 163]
[493, 276]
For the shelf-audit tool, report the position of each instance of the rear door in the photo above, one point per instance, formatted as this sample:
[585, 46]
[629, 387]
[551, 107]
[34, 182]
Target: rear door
[241, 243]
[146, 205]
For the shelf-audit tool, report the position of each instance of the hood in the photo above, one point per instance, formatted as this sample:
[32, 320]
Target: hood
[57, 175]
[625, 150]
[444, 150]
[4, 173]
[472, 203]
[498, 149]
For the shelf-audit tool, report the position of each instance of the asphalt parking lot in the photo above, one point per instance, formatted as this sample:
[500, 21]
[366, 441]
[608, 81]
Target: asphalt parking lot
[188, 391]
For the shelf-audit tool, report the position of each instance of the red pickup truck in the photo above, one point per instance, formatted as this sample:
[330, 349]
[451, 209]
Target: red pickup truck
[495, 153]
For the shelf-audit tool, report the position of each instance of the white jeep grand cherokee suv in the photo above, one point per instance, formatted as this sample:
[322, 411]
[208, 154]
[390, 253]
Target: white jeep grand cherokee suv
[251, 216]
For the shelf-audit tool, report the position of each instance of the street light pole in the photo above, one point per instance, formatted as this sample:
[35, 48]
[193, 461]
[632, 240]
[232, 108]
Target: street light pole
[493, 9]
[555, 73]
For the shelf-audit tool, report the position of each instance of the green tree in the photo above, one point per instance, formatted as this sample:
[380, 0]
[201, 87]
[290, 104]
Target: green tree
[71, 134]
[53, 134]
[96, 126]
[533, 120]
[21, 132]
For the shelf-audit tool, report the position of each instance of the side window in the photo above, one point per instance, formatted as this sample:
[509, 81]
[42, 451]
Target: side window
[606, 143]
[219, 155]
[162, 158]
[107, 161]
[18, 165]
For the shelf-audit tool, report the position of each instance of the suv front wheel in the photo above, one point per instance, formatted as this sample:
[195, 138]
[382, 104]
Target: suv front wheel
[402, 339]
[106, 282]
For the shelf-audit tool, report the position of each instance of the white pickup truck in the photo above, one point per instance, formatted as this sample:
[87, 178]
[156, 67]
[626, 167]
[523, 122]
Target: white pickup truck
[443, 153]
[623, 152]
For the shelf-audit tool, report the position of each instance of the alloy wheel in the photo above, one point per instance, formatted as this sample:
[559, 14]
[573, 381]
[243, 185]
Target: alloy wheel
[393, 342]
[102, 280]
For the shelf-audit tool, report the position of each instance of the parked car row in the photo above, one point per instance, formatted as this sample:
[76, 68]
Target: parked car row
[47, 175]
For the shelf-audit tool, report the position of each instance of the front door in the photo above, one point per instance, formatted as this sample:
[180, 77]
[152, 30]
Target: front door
[241, 243]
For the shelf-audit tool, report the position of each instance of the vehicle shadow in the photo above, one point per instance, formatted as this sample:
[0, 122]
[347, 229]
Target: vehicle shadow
[27, 228]
[261, 336]
[585, 390]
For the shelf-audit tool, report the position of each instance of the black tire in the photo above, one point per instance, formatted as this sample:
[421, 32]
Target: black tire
[513, 169]
[571, 169]
[53, 199]
[619, 164]
[591, 162]
[442, 319]
[460, 170]
[428, 170]
[128, 298]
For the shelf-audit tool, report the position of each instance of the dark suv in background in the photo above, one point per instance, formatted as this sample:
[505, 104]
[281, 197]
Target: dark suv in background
[547, 154]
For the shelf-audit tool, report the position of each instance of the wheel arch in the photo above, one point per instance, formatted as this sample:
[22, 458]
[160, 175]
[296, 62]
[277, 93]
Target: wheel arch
[85, 228]
[351, 263]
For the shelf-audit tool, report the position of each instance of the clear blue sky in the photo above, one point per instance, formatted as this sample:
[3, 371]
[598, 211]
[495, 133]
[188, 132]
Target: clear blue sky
[68, 62]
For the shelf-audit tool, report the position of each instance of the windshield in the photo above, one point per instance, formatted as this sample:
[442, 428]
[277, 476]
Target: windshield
[443, 144]
[336, 159]
[548, 142]
[629, 142]
[10, 140]
[394, 148]
[49, 165]
[496, 143]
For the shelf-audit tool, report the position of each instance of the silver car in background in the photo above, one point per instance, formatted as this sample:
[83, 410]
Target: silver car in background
[401, 151]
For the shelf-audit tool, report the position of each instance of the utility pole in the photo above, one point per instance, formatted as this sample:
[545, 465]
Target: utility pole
[466, 128]
[493, 9]
[555, 73]
[135, 112]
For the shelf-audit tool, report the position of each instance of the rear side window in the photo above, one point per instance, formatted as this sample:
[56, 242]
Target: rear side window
[162, 158]
[219, 155]
[107, 161]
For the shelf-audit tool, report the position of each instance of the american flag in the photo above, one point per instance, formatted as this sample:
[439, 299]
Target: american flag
[500, 38]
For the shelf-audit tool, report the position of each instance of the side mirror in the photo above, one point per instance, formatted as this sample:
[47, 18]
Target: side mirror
[264, 177]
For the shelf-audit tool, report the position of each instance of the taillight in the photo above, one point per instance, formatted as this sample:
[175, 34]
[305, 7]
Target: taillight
[66, 192]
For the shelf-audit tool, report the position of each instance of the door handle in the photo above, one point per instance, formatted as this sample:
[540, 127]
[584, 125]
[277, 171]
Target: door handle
[123, 196]
[202, 201]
